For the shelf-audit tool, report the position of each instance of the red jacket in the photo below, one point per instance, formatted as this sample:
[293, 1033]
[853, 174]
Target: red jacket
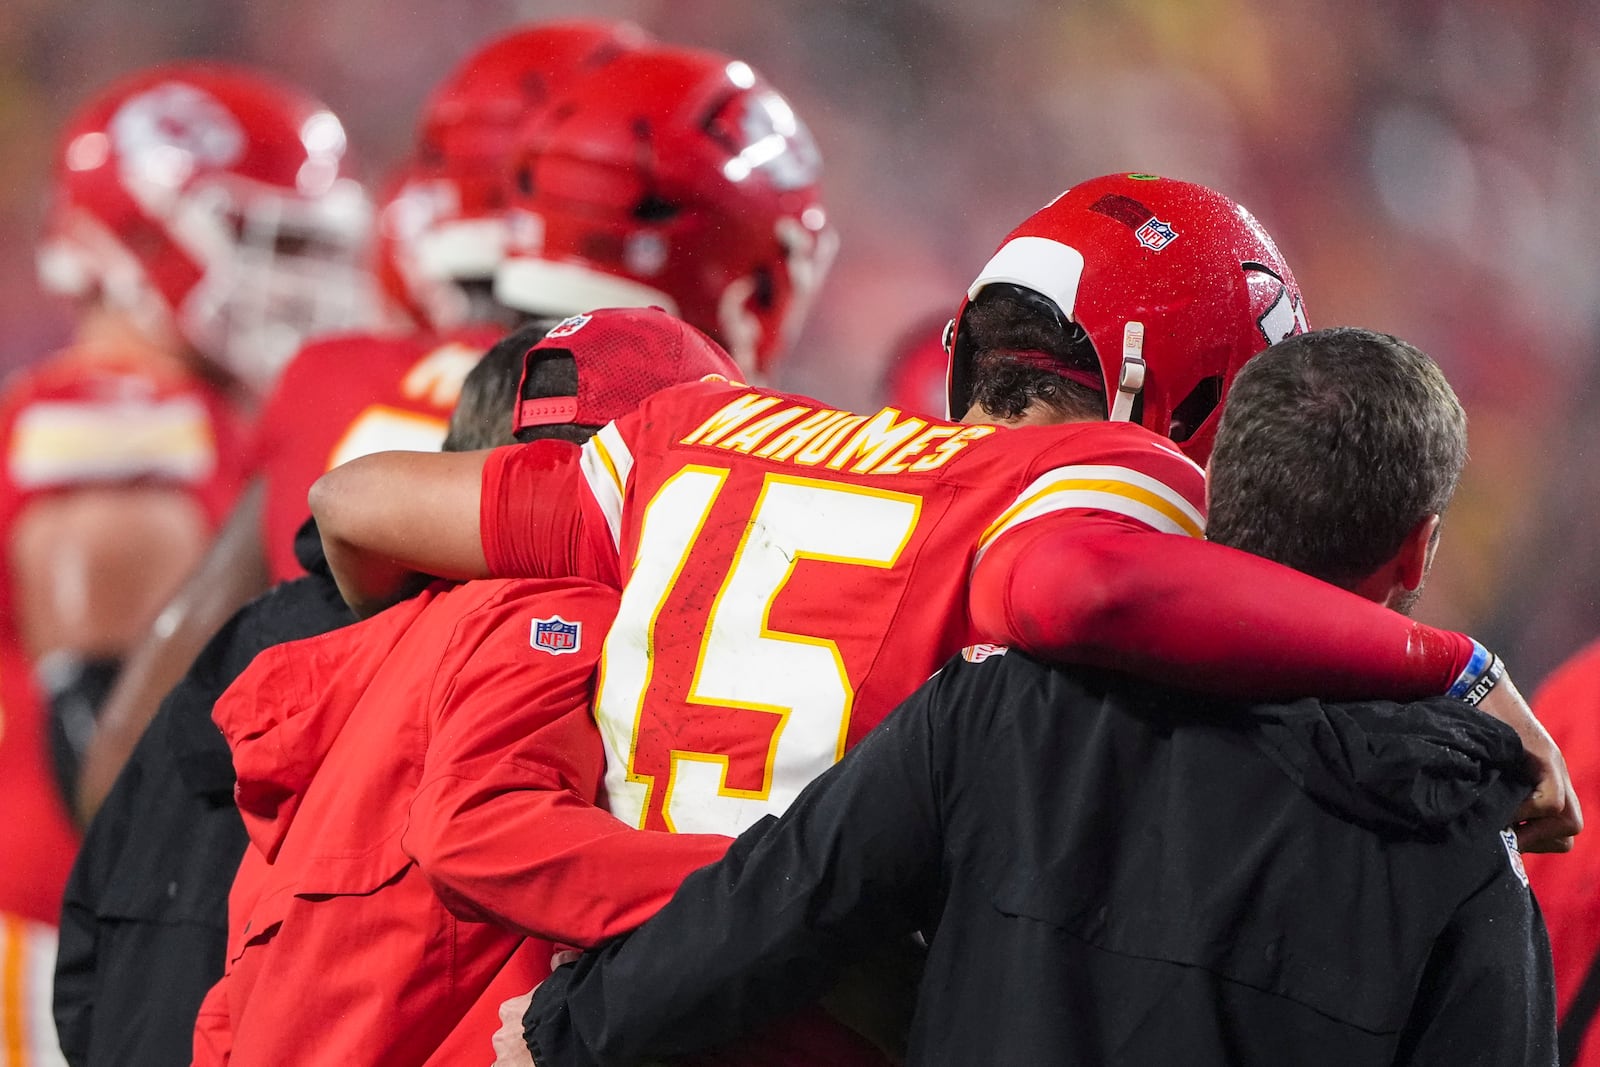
[339, 950]
[420, 792]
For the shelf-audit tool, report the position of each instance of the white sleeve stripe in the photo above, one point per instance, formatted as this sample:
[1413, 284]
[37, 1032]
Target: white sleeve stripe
[616, 450]
[1140, 484]
[1067, 499]
[1175, 454]
[604, 486]
[1132, 477]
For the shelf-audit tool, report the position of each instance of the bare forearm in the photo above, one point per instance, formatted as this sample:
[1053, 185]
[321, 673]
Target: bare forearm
[391, 515]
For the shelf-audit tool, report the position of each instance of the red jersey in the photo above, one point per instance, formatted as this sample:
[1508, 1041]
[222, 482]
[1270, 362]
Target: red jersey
[1568, 887]
[90, 417]
[344, 397]
[85, 418]
[334, 738]
[794, 571]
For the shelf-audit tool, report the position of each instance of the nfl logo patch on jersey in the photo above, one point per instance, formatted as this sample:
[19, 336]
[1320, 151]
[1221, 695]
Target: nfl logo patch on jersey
[1155, 235]
[567, 327]
[556, 635]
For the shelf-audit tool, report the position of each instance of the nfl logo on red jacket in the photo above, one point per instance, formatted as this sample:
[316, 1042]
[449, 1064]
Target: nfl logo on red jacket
[556, 635]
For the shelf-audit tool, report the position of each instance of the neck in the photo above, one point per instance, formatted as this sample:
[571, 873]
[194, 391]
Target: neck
[109, 329]
[1035, 414]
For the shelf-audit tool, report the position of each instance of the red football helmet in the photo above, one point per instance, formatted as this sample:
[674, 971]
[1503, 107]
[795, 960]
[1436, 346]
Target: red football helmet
[680, 179]
[1175, 285]
[443, 221]
[214, 205]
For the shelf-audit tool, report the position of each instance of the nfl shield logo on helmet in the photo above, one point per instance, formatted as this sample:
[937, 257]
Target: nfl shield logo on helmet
[567, 327]
[1155, 235]
[556, 635]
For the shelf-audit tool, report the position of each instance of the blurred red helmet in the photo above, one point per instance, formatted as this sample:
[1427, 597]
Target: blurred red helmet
[1175, 285]
[680, 179]
[214, 205]
[917, 377]
[443, 221]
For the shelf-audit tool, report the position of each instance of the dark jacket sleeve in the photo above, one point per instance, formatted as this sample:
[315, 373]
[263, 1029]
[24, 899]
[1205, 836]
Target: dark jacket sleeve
[854, 862]
[1487, 996]
[76, 981]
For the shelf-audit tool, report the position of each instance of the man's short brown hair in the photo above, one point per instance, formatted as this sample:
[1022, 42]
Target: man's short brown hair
[1333, 446]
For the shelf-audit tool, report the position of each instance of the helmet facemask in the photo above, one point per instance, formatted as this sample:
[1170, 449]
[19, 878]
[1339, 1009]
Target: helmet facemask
[277, 271]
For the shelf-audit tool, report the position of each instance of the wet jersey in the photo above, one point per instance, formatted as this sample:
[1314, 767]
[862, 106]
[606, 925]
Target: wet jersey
[344, 397]
[792, 571]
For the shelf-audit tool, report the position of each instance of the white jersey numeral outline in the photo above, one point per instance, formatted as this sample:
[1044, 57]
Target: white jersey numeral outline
[743, 663]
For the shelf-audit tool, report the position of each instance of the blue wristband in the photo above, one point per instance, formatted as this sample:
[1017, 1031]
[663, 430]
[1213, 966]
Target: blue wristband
[1485, 684]
[1480, 661]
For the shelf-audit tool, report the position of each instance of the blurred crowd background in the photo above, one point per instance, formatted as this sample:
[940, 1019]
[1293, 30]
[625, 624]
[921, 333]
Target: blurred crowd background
[1429, 168]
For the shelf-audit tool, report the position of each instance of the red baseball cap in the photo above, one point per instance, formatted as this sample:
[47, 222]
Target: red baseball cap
[622, 355]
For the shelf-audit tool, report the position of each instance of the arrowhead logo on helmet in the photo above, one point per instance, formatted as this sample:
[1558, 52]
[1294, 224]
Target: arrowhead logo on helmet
[213, 205]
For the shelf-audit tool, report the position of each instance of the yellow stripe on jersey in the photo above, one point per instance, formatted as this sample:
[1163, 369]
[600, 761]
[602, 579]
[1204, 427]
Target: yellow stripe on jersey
[606, 464]
[1105, 488]
[60, 441]
[610, 464]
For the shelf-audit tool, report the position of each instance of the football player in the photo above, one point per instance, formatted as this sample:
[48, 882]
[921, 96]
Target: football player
[791, 571]
[203, 220]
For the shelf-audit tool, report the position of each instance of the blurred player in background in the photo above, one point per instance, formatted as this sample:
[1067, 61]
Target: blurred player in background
[144, 919]
[680, 180]
[442, 235]
[205, 221]
[918, 370]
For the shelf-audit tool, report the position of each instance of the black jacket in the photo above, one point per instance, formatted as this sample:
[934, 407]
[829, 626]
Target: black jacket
[1114, 875]
[145, 918]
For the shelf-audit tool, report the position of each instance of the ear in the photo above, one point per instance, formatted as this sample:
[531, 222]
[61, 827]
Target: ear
[1416, 553]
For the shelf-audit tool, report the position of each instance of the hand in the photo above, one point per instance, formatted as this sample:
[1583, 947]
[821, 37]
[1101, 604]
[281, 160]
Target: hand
[1551, 816]
[510, 1049]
